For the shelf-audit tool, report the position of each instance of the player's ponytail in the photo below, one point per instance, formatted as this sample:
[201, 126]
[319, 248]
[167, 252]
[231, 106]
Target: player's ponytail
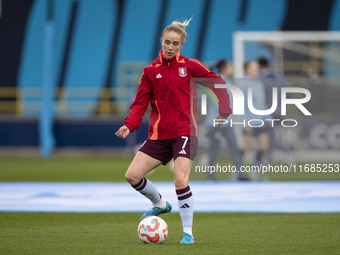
[181, 24]
[178, 27]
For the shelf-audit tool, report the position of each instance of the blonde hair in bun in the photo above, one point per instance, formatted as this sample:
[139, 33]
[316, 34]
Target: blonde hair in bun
[178, 27]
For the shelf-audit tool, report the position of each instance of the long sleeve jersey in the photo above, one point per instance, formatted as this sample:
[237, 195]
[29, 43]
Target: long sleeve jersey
[168, 85]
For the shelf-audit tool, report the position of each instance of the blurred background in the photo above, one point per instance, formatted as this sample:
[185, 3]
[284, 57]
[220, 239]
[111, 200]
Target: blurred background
[69, 68]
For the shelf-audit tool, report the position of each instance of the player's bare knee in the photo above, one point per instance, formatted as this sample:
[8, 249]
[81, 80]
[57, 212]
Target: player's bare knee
[131, 178]
[180, 183]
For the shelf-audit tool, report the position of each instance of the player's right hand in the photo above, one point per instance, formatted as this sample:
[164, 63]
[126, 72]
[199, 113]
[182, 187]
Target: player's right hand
[221, 117]
[123, 132]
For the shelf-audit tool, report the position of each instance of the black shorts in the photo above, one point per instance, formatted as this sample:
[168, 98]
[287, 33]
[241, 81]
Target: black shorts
[165, 150]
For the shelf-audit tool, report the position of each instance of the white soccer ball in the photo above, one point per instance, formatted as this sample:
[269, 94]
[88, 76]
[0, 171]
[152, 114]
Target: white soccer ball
[152, 230]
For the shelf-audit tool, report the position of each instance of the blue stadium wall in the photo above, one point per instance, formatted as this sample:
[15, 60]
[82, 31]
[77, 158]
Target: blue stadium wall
[92, 38]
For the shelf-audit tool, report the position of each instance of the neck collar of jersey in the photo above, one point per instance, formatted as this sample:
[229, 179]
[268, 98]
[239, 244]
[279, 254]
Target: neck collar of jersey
[162, 59]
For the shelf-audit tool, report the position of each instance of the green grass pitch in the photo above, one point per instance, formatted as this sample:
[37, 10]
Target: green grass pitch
[110, 169]
[215, 233]
[116, 233]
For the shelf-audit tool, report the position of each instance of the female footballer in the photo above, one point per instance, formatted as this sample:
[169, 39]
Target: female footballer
[166, 85]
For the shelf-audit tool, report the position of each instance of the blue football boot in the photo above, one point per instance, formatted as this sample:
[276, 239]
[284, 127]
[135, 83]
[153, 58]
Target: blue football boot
[187, 239]
[155, 211]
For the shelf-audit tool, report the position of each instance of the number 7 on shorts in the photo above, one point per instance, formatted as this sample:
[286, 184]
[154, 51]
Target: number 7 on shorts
[183, 146]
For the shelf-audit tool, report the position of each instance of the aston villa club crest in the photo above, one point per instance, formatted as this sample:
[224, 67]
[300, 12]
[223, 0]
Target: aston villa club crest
[182, 71]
